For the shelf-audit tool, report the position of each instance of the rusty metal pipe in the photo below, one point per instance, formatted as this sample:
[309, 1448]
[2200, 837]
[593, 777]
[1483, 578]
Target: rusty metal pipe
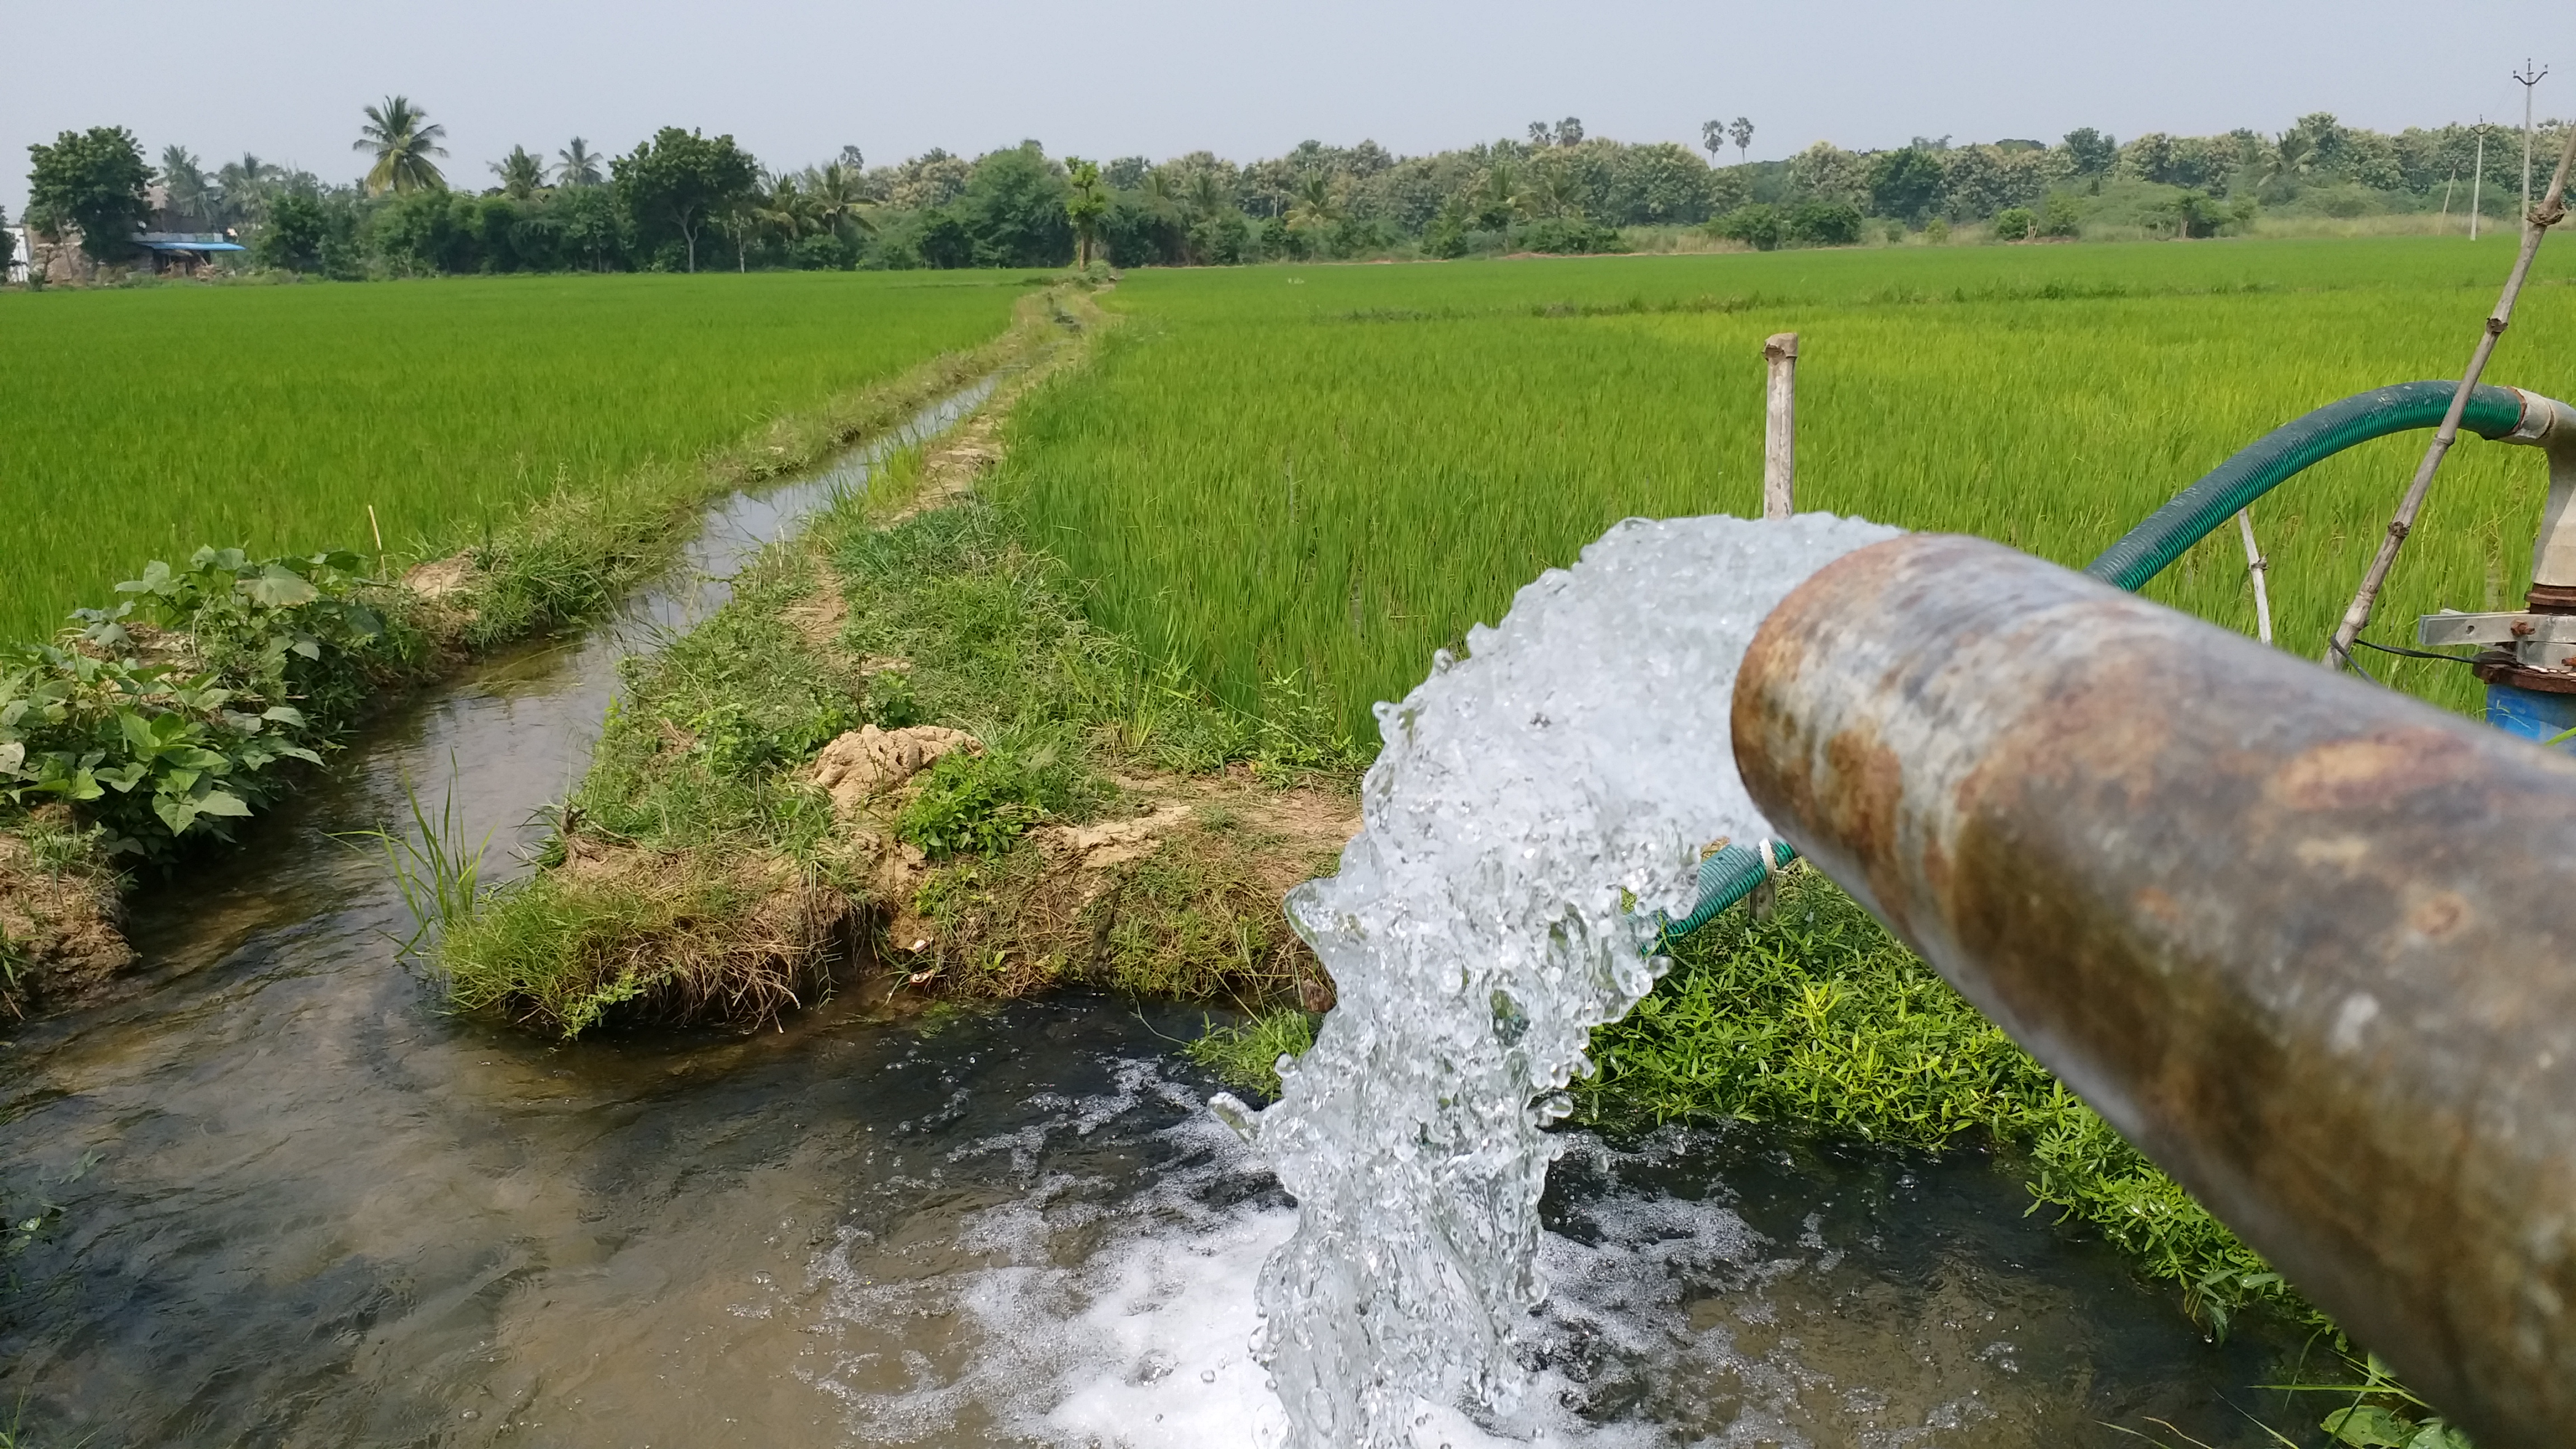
[2309, 944]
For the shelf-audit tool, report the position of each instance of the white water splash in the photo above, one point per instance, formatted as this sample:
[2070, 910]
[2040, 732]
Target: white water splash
[1534, 804]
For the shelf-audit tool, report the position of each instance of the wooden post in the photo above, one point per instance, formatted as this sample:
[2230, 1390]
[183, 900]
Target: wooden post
[2257, 566]
[1780, 428]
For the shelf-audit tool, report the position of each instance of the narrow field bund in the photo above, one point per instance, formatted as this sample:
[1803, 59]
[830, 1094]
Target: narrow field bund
[1090, 824]
[146, 422]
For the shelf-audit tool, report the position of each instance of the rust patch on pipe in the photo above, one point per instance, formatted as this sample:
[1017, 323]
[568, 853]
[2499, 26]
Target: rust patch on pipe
[2346, 774]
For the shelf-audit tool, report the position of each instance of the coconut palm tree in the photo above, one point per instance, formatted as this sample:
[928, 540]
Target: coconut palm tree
[577, 165]
[403, 140]
[785, 210]
[522, 174]
[838, 195]
[1553, 190]
[1207, 196]
[191, 193]
[1315, 205]
[1498, 195]
[247, 186]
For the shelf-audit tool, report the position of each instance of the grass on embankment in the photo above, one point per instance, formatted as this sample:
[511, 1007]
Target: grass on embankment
[701, 874]
[145, 422]
[185, 707]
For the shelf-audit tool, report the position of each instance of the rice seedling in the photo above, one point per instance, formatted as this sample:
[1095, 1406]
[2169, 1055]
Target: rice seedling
[406, 420]
[1335, 470]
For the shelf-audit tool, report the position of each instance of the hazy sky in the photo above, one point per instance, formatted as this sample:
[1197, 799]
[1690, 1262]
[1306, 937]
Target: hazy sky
[794, 80]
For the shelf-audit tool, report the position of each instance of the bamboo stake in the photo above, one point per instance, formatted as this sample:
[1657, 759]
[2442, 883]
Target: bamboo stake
[2257, 566]
[2551, 210]
[1780, 428]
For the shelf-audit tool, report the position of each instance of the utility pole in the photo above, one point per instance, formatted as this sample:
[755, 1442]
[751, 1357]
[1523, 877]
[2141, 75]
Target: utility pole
[2477, 176]
[2529, 79]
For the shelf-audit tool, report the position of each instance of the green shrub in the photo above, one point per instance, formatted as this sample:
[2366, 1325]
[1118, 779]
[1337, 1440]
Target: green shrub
[1818, 223]
[1756, 225]
[160, 719]
[2060, 217]
[1565, 235]
[2015, 223]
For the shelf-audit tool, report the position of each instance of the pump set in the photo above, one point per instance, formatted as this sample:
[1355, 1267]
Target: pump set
[2530, 663]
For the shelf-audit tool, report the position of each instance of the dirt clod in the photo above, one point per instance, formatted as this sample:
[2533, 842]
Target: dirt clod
[1097, 847]
[868, 761]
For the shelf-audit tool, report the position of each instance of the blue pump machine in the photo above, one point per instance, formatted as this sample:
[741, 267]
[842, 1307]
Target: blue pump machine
[2529, 662]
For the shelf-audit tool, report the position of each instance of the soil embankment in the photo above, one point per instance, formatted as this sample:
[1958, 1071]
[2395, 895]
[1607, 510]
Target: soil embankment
[899, 760]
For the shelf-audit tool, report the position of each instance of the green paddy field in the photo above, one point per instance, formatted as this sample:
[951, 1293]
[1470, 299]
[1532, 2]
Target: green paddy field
[1335, 470]
[141, 424]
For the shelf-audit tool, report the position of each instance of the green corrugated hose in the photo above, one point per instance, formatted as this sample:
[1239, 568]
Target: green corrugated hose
[1729, 875]
[2273, 458]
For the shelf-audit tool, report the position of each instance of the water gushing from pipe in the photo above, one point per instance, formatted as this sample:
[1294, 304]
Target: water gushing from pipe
[1534, 803]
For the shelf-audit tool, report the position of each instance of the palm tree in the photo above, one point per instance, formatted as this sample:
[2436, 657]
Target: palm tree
[577, 165]
[1712, 139]
[1498, 199]
[1208, 195]
[785, 208]
[1740, 130]
[838, 195]
[522, 174]
[2292, 157]
[402, 139]
[1315, 204]
[191, 194]
[1552, 190]
[247, 186]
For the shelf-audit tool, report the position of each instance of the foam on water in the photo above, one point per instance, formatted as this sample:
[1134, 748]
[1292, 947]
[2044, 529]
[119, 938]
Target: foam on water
[1097, 1292]
[1534, 803]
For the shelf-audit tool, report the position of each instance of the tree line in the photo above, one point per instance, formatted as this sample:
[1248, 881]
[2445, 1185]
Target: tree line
[683, 201]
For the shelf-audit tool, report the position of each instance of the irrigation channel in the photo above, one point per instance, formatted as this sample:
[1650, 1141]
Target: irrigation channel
[317, 1210]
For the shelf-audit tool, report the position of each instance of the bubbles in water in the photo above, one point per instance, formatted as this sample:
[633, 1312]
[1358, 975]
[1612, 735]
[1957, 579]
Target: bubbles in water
[1534, 804]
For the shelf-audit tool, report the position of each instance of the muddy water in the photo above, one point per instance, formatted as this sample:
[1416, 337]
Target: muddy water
[318, 1211]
